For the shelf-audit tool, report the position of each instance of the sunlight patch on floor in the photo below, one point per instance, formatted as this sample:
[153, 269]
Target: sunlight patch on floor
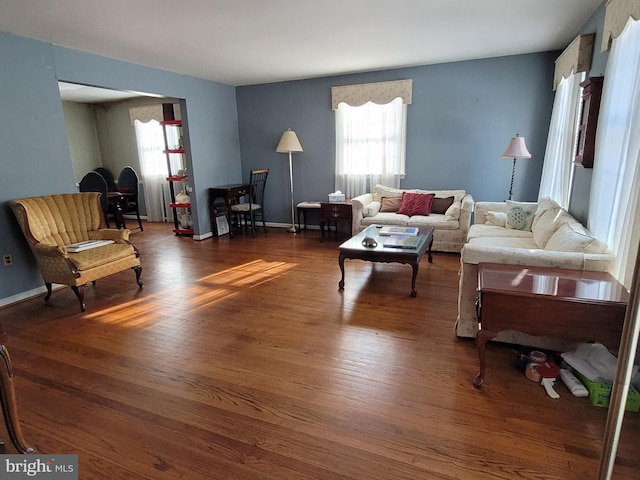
[251, 273]
[210, 290]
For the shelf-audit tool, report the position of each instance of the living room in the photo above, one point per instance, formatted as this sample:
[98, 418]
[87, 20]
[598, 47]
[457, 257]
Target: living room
[462, 116]
[457, 129]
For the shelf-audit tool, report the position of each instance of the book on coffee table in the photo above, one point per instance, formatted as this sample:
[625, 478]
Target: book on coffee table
[401, 241]
[389, 230]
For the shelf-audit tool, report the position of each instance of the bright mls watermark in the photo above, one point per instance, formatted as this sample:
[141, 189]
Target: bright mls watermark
[50, 467]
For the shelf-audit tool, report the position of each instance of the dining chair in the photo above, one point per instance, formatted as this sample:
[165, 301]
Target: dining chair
[108, 177]
[246, 212]
[94, 182]
[128, 185]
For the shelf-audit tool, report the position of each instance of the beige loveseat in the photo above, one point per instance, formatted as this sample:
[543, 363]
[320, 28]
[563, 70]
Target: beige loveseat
[450, 226]
[554, 239]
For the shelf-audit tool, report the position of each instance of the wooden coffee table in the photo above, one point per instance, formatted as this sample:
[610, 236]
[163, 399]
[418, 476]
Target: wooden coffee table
[566, 304]
[353, 249]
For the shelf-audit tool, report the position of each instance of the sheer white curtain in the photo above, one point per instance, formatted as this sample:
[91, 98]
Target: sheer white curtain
[370, 146]
[557, 170]
[153, 168]
[613, 205]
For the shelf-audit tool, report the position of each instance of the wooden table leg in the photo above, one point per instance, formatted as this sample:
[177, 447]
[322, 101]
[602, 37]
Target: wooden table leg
[429, 252]
[414, 275]
[341, 263]
[482, 337]
[9, 407]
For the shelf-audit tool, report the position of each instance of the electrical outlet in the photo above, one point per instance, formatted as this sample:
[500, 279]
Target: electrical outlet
[7, 259]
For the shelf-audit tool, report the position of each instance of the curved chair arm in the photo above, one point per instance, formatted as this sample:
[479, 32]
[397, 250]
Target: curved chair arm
[45, 250]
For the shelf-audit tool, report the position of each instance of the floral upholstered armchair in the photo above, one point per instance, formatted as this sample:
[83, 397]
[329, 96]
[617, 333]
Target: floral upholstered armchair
[51, 223]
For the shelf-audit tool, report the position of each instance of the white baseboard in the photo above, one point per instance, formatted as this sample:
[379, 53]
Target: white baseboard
[18, 297]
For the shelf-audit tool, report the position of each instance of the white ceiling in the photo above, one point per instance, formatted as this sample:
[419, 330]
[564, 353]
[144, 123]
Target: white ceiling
[243, 42]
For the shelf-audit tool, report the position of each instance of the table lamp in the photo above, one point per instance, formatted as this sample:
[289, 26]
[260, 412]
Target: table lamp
[516, 149]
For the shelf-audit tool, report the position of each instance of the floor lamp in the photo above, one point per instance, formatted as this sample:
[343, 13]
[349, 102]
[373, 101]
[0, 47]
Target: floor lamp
[289, 143]
[516, 149]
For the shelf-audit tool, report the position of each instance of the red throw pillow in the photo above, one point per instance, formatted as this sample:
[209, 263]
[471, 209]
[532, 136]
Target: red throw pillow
[416, 203]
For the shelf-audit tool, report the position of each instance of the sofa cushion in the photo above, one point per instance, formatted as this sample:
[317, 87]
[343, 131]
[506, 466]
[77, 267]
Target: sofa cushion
[544, 204]
[390, 204]
[546, 224]
[416, 204]
[386, 218]
[499, 219]
[381, 191]
[478, 230]
[505, 242]
[440, 205]
[453, 212]
[573, 237]
[371, 209]
[520, 215]
[436, 220]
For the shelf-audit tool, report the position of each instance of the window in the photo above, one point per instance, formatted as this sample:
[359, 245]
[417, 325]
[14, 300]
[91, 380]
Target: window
[557, 171]
[370, 146]
[370, 135]
[614, 202]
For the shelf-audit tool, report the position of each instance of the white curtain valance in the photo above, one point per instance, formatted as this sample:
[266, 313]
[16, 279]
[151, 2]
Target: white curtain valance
[146, 114]
[379, 92]
[615, 19]
[576, 58]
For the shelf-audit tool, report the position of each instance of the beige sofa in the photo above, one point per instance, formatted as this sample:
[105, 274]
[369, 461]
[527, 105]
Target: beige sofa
[450, 227]
[555, 239]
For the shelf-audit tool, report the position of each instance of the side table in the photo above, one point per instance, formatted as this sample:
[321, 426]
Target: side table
[335, 211]
[8, 399]
[576, 305]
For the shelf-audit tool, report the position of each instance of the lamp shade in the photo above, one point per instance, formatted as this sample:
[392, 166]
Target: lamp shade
[516, 148]
[289, 143]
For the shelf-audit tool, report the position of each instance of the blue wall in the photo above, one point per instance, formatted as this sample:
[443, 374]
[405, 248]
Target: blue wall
[462, 117]
[461, 120]
[36, 158]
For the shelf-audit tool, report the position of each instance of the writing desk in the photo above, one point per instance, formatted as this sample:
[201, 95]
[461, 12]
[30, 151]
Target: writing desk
[230, 193]
[118, 200]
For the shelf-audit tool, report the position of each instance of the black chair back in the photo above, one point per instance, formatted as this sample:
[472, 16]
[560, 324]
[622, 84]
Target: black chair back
[257, 181]
[128, 182]
[108, 177]
[94, 182]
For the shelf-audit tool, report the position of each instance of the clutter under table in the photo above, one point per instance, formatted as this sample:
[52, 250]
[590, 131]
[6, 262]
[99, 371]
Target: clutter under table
[575, 305]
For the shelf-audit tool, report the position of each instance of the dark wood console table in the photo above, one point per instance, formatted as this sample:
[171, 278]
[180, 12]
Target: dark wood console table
[8, 399]
[567, 304]
[230, 193]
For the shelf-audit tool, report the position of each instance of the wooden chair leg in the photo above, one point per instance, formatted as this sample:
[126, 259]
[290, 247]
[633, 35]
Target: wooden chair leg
[139, 221]
[138, 270]
[48, 296]
[9, 404]
[79, 291]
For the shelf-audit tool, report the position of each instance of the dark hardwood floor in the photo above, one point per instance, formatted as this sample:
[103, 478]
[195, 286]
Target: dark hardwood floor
[241, 359]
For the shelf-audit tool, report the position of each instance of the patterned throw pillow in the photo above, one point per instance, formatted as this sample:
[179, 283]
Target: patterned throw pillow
[416, 203]
[520, 215]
